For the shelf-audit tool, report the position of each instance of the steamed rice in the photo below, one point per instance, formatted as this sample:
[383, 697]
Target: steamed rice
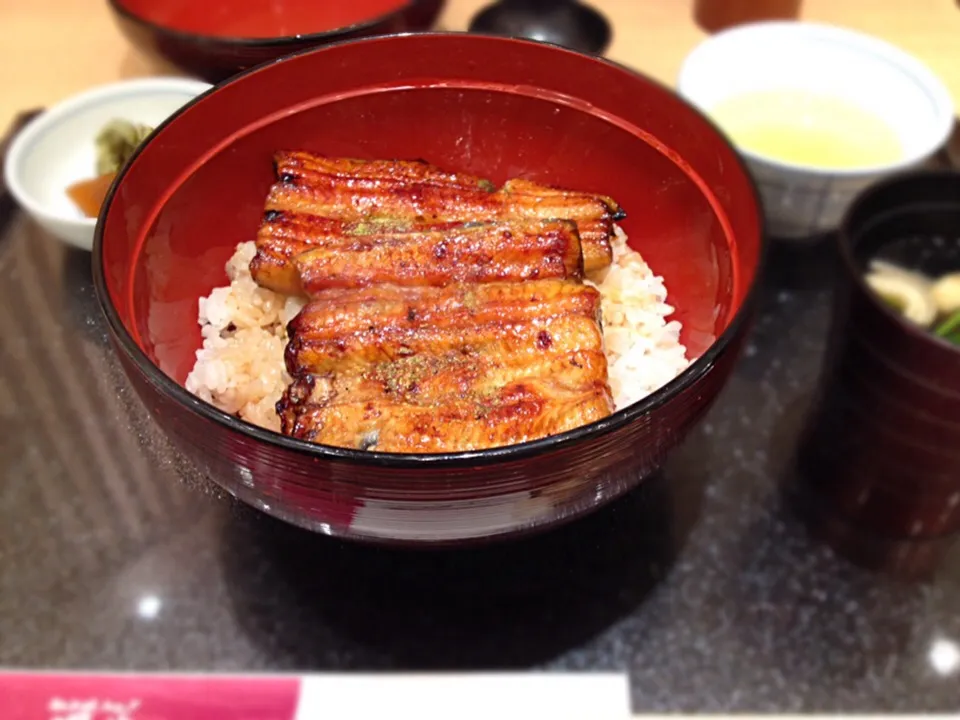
[240, 366]
[643, 348]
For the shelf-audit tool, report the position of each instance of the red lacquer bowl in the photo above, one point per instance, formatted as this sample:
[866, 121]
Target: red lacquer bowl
[215, 39]
[495, 107]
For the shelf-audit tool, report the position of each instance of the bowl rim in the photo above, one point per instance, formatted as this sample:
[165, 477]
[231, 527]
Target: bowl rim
[61, 113]
[195, 38]
[844, 241]
[864, 44]
[469, 458]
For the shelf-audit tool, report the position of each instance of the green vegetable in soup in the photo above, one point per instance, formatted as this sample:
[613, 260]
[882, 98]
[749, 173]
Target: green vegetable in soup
[949, 329]
[116, 142]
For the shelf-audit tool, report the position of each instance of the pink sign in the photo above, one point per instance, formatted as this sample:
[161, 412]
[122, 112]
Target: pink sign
[50, 696]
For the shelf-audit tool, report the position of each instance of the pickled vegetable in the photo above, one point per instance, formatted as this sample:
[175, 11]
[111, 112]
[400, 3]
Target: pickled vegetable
[116, 142]
[88, 195]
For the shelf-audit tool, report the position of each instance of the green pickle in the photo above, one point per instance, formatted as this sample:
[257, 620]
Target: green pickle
[116, 142]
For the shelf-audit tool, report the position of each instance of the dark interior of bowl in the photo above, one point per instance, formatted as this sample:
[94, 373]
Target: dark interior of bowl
[911, 221]
[913, 224]
[258, 19]
[491, 106]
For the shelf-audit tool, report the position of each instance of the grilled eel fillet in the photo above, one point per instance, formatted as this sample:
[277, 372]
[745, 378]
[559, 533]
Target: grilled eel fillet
[434, 369]
[515, 250]
[316, 199]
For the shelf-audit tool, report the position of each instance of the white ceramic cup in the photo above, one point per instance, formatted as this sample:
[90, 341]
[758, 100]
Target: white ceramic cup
[805, 201]
[56, 149]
